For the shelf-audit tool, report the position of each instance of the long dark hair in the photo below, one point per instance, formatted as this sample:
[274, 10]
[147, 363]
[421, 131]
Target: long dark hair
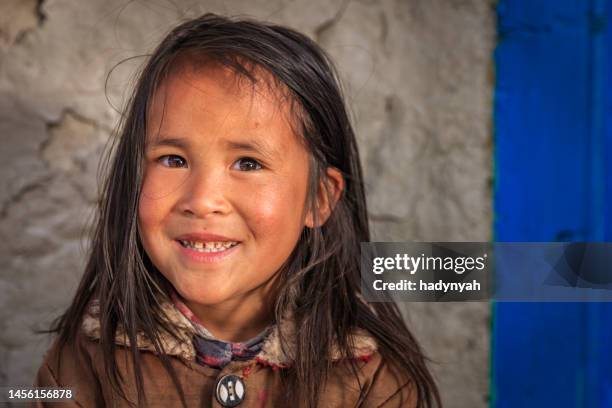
[320, 282]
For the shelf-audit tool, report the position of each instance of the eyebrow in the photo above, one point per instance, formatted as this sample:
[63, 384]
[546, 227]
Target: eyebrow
[168, 141]
[250, 145]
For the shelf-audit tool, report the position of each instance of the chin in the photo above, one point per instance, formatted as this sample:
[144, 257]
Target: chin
[203, 297]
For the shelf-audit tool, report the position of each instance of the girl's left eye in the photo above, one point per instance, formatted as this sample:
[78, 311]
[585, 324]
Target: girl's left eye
[246, 164]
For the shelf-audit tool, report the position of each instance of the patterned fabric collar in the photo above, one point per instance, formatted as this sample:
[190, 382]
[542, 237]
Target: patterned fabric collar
[217, 353]
[181, 344]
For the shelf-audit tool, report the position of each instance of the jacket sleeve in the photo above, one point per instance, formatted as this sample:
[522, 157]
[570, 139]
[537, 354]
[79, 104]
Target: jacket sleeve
[64, 369]
[388, 388]
[46, 378]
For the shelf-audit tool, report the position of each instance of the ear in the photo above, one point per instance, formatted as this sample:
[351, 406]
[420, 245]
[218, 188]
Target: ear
[328, 195]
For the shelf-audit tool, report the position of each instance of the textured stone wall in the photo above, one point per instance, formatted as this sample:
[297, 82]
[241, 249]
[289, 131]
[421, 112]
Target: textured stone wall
[418, 79]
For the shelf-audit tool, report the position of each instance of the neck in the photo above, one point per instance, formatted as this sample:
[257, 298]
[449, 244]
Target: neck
[236, 320]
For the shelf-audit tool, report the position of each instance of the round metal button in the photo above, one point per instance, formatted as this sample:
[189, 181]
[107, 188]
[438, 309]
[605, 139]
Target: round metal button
[230, 390]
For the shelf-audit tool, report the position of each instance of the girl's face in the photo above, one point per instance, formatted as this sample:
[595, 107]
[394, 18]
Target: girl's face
[225, 185]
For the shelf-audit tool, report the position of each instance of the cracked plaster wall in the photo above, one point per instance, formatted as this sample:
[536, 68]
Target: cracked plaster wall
[418, 81]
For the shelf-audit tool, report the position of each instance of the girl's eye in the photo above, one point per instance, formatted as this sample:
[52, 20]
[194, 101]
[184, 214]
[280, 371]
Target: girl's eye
[246, 164]
[172, 160]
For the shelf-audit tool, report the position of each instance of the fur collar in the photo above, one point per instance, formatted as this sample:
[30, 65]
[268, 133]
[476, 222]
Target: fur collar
[272, 354]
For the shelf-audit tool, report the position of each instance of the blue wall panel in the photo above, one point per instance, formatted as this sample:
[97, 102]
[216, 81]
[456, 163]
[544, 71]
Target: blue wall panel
[553, 161]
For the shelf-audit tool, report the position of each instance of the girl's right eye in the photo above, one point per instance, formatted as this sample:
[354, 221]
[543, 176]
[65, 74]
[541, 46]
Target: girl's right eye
[172, 160]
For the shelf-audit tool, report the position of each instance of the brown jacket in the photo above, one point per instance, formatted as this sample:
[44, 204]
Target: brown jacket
[378, 385]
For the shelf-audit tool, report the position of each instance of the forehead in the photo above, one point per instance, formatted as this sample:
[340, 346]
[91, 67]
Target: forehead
[201, 92]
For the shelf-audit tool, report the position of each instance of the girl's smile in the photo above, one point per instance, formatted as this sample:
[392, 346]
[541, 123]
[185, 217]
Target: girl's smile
[206, 247]
[223, 198]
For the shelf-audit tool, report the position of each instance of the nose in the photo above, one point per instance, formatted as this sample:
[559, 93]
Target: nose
[204, 193]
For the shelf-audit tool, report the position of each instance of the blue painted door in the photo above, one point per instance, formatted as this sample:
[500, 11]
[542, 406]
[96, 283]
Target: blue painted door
[553, 169]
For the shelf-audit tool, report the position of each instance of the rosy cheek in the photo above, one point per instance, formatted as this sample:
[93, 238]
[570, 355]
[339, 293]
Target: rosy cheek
[276, 214]
[264, 219]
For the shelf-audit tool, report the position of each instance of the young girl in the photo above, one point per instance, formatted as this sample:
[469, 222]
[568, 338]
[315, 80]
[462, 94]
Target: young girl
[224, 269]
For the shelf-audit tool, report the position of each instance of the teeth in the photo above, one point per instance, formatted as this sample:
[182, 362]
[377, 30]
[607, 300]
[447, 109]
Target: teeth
[209, 246]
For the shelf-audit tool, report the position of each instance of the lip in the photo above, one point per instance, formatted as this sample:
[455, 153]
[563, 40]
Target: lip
[205, 257]
[204, 237]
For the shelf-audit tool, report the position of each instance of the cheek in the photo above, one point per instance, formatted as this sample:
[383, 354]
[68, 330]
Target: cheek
[146, 207]
[148, 217]
[154, 204]
[277, 211]
[161, 183]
